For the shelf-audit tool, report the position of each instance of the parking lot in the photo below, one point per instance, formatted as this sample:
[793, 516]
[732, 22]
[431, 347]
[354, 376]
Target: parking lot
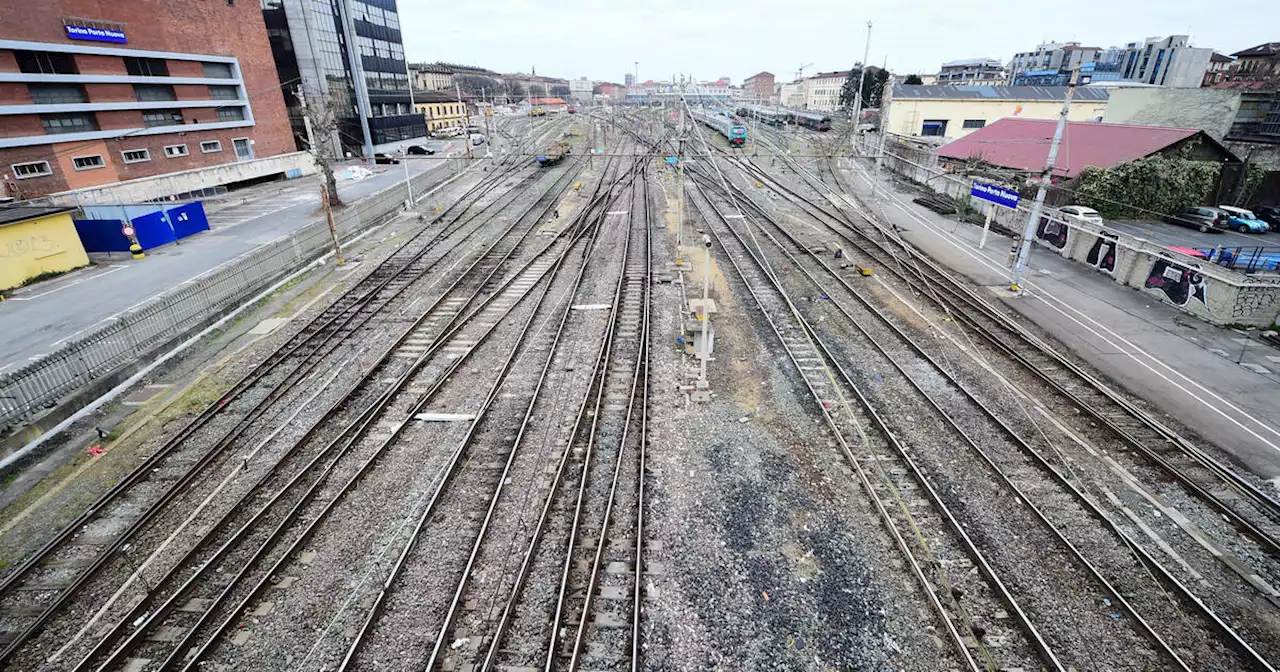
[1166, 234]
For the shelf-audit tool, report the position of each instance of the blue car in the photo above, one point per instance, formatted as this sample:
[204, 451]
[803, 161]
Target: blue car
[1243, 221]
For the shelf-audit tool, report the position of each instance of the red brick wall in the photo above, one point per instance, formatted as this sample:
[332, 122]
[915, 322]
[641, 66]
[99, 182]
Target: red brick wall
[198, 27]
[20, 125]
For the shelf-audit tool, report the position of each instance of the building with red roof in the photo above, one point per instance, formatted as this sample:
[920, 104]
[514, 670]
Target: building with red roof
[1023, 145]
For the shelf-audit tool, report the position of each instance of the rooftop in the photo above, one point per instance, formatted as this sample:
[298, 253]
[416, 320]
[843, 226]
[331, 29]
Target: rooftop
[941, 92]
[1023, 144]
[838, 73]
[965, 62]
[1268, 49]
[13, 214]
[764, 73]
[1220, 58]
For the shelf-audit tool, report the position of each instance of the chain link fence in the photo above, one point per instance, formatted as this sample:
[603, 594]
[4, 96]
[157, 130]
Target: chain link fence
[41, 384]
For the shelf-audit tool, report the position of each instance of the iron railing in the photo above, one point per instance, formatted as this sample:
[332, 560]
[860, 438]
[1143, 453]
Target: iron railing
[135, 334]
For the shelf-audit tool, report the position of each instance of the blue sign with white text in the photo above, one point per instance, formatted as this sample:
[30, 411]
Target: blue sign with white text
[95, 34]
[998, 195]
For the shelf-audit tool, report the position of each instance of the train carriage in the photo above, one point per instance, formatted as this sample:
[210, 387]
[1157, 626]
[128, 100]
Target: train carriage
[813, 120]
[735, 133]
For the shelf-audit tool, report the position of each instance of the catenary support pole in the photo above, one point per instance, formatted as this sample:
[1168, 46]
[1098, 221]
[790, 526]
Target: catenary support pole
[857, 97]
[1024, 247]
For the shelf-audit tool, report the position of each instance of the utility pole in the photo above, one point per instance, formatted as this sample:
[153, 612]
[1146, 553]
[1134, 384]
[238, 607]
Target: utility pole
[467, 132]
[1029, 232]
[408, 185]
[328, 214]
[857, 98]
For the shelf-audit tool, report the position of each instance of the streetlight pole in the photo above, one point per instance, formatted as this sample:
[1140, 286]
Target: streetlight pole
[857, 98]
[1028, 233]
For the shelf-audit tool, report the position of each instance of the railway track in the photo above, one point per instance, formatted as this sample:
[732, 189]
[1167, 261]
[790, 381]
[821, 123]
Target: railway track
[302, 459]
[1252, 512]
[943, 410]
[35, 589]
[1067, 485]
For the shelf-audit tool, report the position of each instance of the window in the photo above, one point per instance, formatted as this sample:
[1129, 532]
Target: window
[230, 114]
[153, 118]
[153, 92]
[934, 127]
[24, 171]
[76, 122]
[88, 162]
[54, 94]
[136, 155]
[219, 92]
[174, 151]
[211, 146]
[45, 63]
[975, 123]
[217, 70]
[146, 67]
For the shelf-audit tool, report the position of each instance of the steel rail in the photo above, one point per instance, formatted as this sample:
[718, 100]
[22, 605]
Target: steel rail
[145, 469]
[1086, 503]
[372, 373]
[595, 227]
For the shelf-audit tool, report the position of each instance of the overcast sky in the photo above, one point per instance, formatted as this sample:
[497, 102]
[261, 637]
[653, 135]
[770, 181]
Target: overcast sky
[738, 38]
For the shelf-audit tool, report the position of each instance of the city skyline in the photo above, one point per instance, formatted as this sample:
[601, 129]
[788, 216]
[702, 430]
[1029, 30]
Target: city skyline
[718, 38]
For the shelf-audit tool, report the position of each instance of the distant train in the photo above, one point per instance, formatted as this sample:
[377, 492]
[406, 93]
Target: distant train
[735, 133]
[773, 116]
[814, 120]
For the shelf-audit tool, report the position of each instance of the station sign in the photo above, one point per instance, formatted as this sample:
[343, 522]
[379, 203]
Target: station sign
[998, 195]
[96, 34]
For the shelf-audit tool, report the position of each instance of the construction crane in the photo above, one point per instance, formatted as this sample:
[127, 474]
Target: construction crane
[800, 71]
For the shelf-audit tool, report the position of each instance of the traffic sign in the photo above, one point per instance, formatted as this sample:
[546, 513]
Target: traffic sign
[127, 230]
[998, 195]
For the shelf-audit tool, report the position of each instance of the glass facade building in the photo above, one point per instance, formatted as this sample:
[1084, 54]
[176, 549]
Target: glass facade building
[310, 40]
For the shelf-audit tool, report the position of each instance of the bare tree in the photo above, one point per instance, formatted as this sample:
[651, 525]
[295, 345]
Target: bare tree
[322, 116]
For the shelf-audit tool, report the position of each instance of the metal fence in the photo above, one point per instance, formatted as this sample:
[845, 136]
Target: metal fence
[133, 335]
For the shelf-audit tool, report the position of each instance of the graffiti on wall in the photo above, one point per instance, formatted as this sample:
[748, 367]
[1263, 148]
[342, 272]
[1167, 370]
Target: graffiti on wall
[1177, 282]
[34, 246]
[1102, 255]
[1054, 233]
[1256, 302]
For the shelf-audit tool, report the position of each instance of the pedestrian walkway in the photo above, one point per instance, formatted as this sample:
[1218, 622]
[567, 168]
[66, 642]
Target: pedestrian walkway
[1221, 383]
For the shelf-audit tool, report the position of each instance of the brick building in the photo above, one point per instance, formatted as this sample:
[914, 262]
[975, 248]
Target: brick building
[759, 87]
[93, 93]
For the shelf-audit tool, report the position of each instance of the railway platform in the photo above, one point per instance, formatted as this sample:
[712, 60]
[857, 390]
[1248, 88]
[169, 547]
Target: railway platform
[1222, 384]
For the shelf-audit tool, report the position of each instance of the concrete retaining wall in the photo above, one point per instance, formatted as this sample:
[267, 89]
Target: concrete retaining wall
[146, 189]
[1198, 286]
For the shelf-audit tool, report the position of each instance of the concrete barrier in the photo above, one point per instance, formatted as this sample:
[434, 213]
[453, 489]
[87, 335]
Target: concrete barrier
[1198, 286]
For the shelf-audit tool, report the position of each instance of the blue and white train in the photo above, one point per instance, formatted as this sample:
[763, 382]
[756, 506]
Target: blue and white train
[735, 133]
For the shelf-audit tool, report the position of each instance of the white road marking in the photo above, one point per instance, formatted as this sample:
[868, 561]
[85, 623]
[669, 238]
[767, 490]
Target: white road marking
[73, 283]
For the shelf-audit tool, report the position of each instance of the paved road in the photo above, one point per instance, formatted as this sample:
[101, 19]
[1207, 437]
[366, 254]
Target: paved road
[37, 319]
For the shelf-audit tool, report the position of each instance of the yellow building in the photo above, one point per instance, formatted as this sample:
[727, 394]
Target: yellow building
[440, 110]
[951, 112]
[36, 240]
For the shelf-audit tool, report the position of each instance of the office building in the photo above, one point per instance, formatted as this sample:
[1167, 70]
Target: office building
[972, 72]
[350, 54]
[94, 93]
[759, 87]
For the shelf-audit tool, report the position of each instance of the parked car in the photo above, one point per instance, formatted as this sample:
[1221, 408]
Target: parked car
[477, 139]
[1080, 213]
[419, 150]
[1269, 214]
[1202, 218]
[1243, 221]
